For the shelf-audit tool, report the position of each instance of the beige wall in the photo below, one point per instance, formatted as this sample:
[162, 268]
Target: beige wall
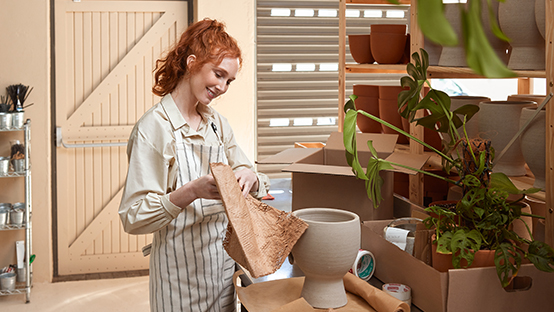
[25, 58]
[238, 104]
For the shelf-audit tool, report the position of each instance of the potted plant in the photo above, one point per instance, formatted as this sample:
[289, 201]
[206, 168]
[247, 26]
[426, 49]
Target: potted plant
[483, 218]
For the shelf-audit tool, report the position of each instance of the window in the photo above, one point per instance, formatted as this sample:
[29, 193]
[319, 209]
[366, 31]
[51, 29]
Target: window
[297, 69]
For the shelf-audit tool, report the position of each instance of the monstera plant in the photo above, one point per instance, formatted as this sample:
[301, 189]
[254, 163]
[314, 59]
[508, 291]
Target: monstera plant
[483, 218]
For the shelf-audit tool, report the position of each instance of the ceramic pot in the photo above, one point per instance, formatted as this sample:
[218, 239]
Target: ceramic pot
[360, 49]
[434, 50]
[388, 42]
[517, 21]
[533, 144]
[472, 126]
[368, 101]
[540, 17]
[454, 55]
[527, 97]
[388, 110]
[498, 122]
[325, 252]
[538, 207]
[499, 46]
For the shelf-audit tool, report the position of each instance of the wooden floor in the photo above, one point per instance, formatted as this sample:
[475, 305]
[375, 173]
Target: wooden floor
[96, 276]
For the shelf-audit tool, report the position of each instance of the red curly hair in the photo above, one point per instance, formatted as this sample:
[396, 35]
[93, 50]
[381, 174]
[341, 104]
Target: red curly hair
[207, 40]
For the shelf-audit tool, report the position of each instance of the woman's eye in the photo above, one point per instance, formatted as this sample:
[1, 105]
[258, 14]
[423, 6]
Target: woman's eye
[217, 75]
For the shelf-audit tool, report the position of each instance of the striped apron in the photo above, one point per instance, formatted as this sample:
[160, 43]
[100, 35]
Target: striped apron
[189, 269]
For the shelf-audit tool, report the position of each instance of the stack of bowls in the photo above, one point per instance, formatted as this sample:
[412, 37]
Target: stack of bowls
[388, 42]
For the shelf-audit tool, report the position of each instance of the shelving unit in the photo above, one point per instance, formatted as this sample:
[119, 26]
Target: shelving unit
[416, 181]
[27, 221]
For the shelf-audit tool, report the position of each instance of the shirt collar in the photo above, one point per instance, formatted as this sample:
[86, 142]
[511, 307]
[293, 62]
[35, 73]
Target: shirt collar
[176, 118]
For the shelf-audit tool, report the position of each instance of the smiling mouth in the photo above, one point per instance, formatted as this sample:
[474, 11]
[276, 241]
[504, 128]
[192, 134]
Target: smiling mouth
[211, 94]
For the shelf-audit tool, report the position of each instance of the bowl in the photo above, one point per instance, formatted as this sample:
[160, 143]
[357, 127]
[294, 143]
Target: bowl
[360, 48]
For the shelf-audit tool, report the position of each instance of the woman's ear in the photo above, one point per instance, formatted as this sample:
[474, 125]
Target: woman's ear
[190, 59]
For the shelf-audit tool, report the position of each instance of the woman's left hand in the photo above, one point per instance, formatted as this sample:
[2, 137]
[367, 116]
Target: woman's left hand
[248, 181]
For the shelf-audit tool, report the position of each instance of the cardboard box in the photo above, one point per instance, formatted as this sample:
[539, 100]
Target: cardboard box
[456, 290]
[321, 177]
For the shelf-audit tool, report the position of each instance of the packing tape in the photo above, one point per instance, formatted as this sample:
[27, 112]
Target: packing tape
[399, 291]
[364, 266]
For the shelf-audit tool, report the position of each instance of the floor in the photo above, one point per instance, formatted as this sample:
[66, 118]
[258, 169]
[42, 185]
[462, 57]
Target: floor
[114, 294]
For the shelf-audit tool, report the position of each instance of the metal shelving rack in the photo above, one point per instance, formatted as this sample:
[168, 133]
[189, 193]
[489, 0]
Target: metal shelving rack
[27, 223]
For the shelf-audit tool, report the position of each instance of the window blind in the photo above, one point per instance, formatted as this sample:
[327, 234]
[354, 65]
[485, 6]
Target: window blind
[297, 69]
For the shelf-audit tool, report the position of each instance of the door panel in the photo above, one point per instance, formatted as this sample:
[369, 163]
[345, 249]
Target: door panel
[105, 54]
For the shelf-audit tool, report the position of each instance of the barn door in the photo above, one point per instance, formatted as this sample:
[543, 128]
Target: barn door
[104, 52]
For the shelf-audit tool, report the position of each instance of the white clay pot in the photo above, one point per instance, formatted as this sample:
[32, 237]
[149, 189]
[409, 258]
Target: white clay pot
[472, 126]
[454, 55]
[540, 16]
[533, 144]
[325, 253]
[517, 21]
[499, 122]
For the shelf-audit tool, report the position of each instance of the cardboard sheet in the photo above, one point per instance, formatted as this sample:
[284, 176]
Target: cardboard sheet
[284, 295]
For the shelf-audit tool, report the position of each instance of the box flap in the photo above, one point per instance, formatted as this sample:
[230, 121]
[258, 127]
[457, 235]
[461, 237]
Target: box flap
[319, 169]
[411, 160]
[289, 156]
[383, 143]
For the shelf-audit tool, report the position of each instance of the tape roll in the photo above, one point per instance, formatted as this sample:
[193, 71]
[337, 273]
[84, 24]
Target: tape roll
[364, 266]
[399, 291]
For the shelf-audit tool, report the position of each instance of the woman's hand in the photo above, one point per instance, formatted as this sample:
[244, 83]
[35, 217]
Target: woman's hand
[203, 187]
[248, 181]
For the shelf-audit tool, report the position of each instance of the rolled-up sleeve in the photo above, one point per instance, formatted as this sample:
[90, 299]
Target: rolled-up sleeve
[145, 206]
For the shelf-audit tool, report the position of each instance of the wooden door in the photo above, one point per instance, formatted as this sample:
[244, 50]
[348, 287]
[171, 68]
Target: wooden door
[105, 52]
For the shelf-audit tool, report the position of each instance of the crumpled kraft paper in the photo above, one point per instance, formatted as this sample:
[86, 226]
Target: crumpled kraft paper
[259, 237]
[284, 295]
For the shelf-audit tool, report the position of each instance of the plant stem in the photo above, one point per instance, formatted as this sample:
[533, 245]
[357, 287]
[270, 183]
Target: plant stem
[424, 172]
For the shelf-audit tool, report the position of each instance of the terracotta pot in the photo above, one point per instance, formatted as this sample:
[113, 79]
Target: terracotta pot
[360, 48]
[517, 21]
[533, 144]
[453, 55]
[388, 111]
[325, 252]
[390, 92]
[498, 122]
[405, 59]
[540, 16]
[443, 262]
[472, 126]
[368, 101]
[388, 43]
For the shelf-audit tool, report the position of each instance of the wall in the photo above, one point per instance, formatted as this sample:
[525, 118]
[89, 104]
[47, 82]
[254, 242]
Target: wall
[238, 104]
[25, 58]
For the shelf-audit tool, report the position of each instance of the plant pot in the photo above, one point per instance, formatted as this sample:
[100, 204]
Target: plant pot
[472, 126]
[388, 43]
[540, 16]
[368, 101]
[527, 97]
[388, 111]
[498, 122]
[517, 21]
[325, 252]
[538, 207]
[360, 48]
[453, 55]
[533, 144]
[434, 50]
[499, 46]
[443, 262]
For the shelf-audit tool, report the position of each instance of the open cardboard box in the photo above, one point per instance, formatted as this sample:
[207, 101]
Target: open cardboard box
[475, 289]
[321, 177]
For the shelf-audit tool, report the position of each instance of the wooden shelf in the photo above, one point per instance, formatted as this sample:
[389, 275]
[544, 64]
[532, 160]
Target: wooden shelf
[433, 71]
[376, 2]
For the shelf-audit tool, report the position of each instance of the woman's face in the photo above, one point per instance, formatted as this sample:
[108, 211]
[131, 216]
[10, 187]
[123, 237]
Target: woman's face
[213, 80]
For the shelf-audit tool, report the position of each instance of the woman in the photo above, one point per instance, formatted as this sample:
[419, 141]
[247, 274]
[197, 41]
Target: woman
[169, 190]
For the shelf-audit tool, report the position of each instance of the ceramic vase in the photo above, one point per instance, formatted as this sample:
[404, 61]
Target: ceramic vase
[388, 42]
[388, 110]
[517, 21]
[499, 122]
[434, 50]
[527, 97]
[533, 144]
[454, 55]
[368, 101]
[325, 253]
[540, 16]
[472, 126]
[499, 46]
[360, 48]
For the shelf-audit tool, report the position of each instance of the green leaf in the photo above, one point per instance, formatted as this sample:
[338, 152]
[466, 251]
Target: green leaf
[468, 110]
[349, 130]
[501, 181]
[444, 243]
[434, 24]
[507, 261]
[464, 244]
[480, 55]
[541, 255]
